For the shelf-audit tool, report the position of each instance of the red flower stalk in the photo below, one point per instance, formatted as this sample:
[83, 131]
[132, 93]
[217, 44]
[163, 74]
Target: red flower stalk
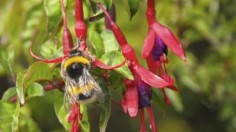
[74, 117]
[80, 26]
[129, 102]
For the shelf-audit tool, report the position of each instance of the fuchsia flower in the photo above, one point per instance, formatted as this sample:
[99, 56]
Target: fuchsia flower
[138, 91]
[156, 45]
[156, 31]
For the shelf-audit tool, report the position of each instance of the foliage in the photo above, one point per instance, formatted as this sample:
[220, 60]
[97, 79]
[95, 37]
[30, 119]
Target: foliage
[206, 79]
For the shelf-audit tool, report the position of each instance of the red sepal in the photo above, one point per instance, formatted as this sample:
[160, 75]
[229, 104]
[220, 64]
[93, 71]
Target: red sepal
[171, 81]
[102, 65]
[148, 43]
[56, 60]
[150, 78]
[151, 64]
[169, 39]
[131, 95]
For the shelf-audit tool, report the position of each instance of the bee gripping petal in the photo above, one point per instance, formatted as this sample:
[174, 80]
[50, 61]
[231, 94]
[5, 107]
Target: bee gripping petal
[148, 43]
[169, 39]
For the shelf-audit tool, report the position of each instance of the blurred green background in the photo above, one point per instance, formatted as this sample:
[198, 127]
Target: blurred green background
[206, 80]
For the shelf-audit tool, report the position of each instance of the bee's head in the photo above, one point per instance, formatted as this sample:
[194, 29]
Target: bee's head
[75, 52]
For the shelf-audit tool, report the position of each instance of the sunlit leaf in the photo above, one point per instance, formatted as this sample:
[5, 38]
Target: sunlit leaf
[11, 92]
[96, 43]
[34, 90]
[109, 41]
[15, 121]
[37, 71]
[19, 87]
[53, 11]
[6, 112]
[114, 58]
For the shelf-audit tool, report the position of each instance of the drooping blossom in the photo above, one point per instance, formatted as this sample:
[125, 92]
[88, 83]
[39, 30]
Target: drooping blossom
[137, 95]
[159, 39]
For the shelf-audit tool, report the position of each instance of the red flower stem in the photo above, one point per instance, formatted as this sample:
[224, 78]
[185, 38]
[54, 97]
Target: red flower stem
[142, 129]
[152, 120]
[67, 38]
[80, 26]
[127, 50]
[74, 117]
[64, 14]
[151, 12]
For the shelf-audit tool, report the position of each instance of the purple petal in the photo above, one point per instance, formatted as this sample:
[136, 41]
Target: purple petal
[144, 94]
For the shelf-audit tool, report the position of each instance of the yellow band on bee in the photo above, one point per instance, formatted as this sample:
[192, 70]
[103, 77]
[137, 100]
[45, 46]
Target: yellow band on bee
[78, 59]
[79, 90]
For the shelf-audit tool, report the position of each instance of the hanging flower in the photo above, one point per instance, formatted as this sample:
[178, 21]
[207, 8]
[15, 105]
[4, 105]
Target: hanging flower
[156, 31]
[159, 39]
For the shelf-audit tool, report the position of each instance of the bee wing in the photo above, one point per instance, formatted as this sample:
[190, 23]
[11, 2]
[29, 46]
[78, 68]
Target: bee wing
[87, 79]
[85, 85]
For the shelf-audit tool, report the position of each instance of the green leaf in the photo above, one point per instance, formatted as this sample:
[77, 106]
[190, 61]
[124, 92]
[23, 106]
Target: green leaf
[37, 71]
[131, 6]
[84, 123]
[9, 114]
[16, 114]
[105, 114]
[34, 90]
[175, 99]
[60, 108]
[6, 111]
[53, 11]
[19, 87]
[27, 124]
[9, 93]
[114, 58]
[109, 41]
[96, 42]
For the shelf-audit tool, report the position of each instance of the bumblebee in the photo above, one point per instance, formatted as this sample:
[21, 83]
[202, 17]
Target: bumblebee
[80, 85]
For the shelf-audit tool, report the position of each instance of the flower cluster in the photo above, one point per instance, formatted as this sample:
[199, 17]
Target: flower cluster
[138, 93]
